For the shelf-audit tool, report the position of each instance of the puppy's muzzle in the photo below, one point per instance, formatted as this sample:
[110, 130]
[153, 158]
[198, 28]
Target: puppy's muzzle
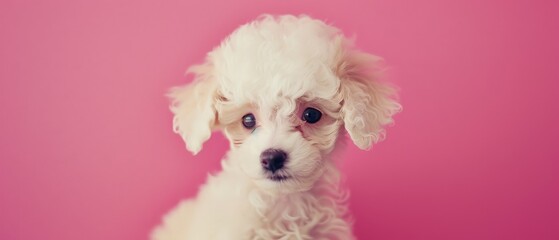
[273, 159]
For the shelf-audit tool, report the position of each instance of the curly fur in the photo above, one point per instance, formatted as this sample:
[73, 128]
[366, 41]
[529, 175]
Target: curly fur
[275, 67]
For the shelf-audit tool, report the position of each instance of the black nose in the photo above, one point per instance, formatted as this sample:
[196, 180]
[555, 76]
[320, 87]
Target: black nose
[273, 159]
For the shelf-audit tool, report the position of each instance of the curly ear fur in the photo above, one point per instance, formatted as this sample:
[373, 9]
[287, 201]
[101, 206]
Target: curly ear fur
[194, 108]
[368, 105]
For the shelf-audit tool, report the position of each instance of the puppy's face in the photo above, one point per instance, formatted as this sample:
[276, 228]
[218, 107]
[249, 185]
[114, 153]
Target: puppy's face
[282, 90]
[284, 144]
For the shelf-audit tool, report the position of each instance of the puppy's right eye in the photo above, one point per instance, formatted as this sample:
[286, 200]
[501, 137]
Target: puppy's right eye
[249, 121]
[311, 115]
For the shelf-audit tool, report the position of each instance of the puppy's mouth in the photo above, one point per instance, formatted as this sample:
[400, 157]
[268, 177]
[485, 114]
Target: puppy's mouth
[278, 177]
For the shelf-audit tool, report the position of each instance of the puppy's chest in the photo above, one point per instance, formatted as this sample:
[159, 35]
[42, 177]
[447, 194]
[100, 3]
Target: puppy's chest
[300, 218]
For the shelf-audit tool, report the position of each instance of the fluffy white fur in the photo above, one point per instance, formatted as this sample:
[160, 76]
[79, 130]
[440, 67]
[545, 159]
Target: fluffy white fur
[275, 67]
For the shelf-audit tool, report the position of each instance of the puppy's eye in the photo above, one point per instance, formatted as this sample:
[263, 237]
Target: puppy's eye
[311, 115]
[249, 121]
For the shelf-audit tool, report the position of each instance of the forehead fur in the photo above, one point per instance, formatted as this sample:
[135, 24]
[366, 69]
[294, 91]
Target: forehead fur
[278, 58]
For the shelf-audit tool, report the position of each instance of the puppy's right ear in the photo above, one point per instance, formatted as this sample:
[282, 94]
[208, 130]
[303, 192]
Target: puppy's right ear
[194, 107]
[368, 105]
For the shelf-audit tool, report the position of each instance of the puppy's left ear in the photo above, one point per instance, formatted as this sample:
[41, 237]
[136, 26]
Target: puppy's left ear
[367, 104]
[194, 107]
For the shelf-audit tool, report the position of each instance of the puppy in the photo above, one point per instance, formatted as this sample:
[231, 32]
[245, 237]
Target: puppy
[284, 91]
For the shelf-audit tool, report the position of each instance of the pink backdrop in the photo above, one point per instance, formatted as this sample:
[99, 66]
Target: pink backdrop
[87, 151]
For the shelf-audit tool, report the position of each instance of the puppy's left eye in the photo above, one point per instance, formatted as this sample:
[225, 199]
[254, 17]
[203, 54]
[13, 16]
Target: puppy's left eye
[249, 121]
[311, 115]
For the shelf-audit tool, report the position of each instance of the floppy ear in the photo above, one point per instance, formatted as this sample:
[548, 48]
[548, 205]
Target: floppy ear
[367, 104]
[194, 108]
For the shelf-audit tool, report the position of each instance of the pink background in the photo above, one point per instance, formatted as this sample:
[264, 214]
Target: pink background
[87, 151]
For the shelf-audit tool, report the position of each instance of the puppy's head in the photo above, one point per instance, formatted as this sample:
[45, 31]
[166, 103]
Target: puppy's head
[283, 90]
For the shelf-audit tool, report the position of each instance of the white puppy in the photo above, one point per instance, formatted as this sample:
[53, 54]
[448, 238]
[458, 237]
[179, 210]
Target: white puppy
[284, 90]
